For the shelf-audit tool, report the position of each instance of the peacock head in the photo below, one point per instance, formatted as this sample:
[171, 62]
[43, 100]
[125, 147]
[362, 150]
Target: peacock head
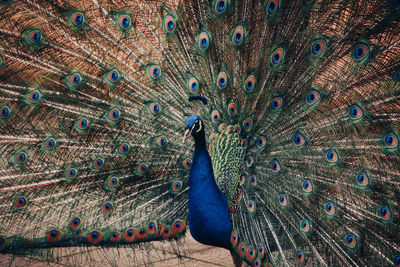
[193, 127]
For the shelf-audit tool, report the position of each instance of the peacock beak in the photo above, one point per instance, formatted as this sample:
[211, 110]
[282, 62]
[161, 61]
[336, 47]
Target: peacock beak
[187, 135]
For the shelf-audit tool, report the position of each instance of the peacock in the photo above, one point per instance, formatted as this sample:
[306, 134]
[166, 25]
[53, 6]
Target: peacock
[268, 128]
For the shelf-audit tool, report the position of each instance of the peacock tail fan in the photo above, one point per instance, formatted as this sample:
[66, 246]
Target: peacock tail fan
[302, 124]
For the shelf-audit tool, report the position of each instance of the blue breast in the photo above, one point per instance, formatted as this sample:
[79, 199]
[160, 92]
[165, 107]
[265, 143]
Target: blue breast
[209, 220]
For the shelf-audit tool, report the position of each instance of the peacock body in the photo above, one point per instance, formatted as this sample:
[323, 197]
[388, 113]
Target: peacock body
[296, 156]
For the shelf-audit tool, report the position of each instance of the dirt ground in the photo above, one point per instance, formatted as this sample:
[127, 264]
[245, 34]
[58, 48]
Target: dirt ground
[198, 255]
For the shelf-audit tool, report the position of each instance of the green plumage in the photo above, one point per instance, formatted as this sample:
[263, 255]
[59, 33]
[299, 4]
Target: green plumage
[302, 124]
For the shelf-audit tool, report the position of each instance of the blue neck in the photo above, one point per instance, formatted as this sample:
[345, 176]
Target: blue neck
[209, 220]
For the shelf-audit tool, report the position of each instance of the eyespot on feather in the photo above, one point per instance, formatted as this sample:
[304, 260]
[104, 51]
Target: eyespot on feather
[362, 179]
[220, 7]
[238, 36]
[71, 173]
[115, 236]
[300, 257]
[141, 169]
[253, 179]
[34, 37]
[98, 163]
[203, 42]
[33, 97]
[261, 142]
[276, 104]
[193, 85]
[113, 76]
[49, 143]
[304, 226]
[154, 108]
[355, 113]
[5, 112]
[75, 223]
[329, 208]
[162, 141]
[391, 141]
[249, 161]
[215, 116]
[299, 140]
[250, 253]
[178, 226]
[151, 228]
[78, 19]
[154, 72]
[20, 157]
[187, 163]
[94, 237]
[332, 156]
[234, 238]
[283, 200]
[277, 56]
[232, 109]
[176, 186]
[261, 250]
[129, 235]
[250, 84]
[112, 182]
[124, 21]
[21, 202]
[169, 24]
[53, 235]
[351, 240]
[247, 124]
[82, 124]
[251, 205]
[241, 248]
[107, 207]
[307, 186]
[318, 47]
[384, 213]
[275, 166]
[272, 7]
[222, 80]
[313, 97]
[361, 52]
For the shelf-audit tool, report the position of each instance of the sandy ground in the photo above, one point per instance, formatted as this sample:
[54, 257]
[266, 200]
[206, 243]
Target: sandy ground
[161, 255]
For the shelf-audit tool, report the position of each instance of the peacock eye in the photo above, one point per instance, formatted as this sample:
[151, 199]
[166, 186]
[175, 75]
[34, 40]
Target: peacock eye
[169, 24]
[232, 109]
[124, 22]
[250, 84]
[220, 6]
[34, 96]
[318, 47]
[35, 36]
[332, 156]
[78, 19]
[113, 76]
[4, 111]
[276, 104]
[355, 113]
[222, 80]
[391, 141]
[299, 140]
[238, 36]
[272, 6]
[277, 56]
[154, 72]
[361, 52]
[203, 41]
[193, 85]
[247, 124]
[313, 97]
